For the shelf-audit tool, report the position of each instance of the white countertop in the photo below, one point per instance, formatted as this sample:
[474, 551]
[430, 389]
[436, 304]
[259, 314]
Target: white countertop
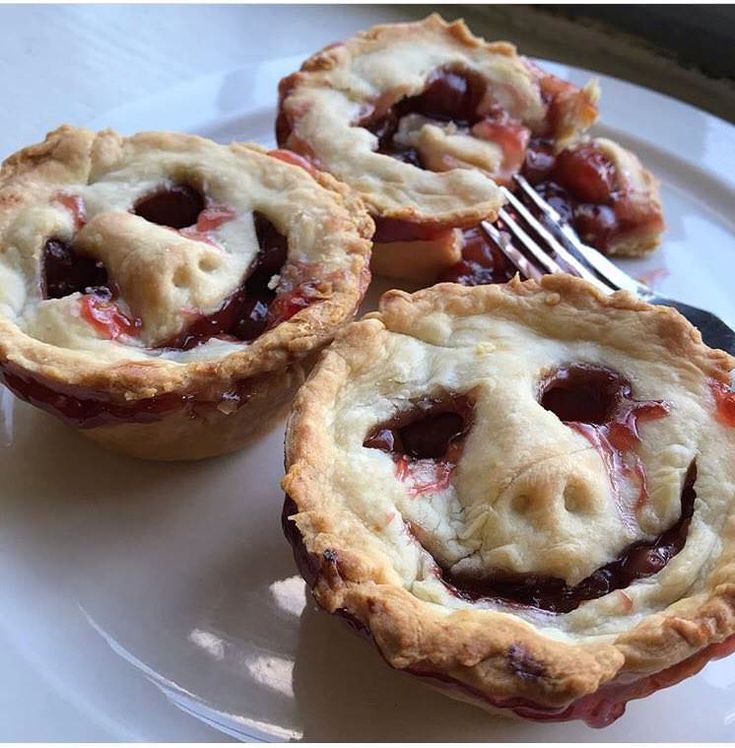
[71, 63]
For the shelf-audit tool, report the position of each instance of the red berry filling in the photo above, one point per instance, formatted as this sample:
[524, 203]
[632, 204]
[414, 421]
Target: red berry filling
[106, 316]
[724, 403]
[177, 206]
[425, 441]
[449, 96]
[482, 262]
[581, 183]
[65, 271]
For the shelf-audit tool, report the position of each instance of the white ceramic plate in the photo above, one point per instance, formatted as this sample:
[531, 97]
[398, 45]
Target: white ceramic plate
[160, 602]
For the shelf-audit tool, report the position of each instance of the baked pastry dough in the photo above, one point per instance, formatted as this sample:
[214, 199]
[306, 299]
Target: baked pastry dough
[164, 292]
[523, 492]
[423, 120]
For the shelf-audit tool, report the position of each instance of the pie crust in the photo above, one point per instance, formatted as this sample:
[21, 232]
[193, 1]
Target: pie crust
[424, 119]
[146, 363]
[478, 572]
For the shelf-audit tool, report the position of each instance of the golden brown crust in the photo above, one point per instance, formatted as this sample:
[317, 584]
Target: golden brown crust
[318, 104]
[479, 647]
[72, 156]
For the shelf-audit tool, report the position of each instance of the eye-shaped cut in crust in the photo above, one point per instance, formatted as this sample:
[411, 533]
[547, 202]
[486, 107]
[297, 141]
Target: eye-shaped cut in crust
[326, 107]
[523, 492]
[164, 292]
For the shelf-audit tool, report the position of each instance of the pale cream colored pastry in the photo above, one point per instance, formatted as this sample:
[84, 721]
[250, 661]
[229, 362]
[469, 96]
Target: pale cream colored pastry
[82, 190]
[406, 543]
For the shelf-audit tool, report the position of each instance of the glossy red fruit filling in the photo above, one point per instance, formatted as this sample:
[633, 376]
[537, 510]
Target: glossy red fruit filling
[245, 314]
[587, 173]
[583, 185]
[449, 96]
[482, 262]
[512, 137]
[425, 441]
[84, 407]
[75, 205]
[585, 394]
[107, 318]
[177, 206]
[724, 403]
[65, 271]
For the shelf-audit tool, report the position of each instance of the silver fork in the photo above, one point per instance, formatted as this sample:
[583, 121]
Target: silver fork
[556, 248]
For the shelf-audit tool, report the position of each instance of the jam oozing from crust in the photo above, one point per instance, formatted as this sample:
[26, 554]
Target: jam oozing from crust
[107, 318]
[425, 441]
[83, 407]
[594, 396]
[177, 206]
[65, 271]
[245, 314]
[724, 403]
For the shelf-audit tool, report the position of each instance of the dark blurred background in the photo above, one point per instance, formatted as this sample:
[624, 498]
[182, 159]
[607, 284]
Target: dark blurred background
[701, 36]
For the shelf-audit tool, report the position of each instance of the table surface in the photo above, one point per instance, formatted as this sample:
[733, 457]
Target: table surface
[72, 63]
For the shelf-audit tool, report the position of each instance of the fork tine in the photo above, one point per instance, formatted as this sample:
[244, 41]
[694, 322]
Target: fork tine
[514, 255]
[561, 252]
[613, 276]
[542, 257]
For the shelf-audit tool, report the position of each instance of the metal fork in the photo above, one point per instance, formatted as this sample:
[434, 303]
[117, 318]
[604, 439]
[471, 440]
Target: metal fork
[556, 248]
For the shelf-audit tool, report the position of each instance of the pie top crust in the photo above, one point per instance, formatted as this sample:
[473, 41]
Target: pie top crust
[529, 494]
[82, 187]
[341, 86]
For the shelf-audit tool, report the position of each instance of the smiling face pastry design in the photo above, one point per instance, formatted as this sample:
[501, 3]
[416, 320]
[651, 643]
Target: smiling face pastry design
[541, 470]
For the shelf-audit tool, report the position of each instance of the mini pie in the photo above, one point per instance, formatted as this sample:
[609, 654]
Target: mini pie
[164, 293]
[523, 493]
[424, 119]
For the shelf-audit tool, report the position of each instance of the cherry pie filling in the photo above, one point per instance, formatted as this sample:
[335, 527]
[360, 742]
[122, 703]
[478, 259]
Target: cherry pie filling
[255, 306]
[582, 183]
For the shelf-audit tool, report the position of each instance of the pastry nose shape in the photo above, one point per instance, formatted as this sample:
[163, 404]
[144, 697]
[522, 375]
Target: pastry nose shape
[159, 272]
[556, 518]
